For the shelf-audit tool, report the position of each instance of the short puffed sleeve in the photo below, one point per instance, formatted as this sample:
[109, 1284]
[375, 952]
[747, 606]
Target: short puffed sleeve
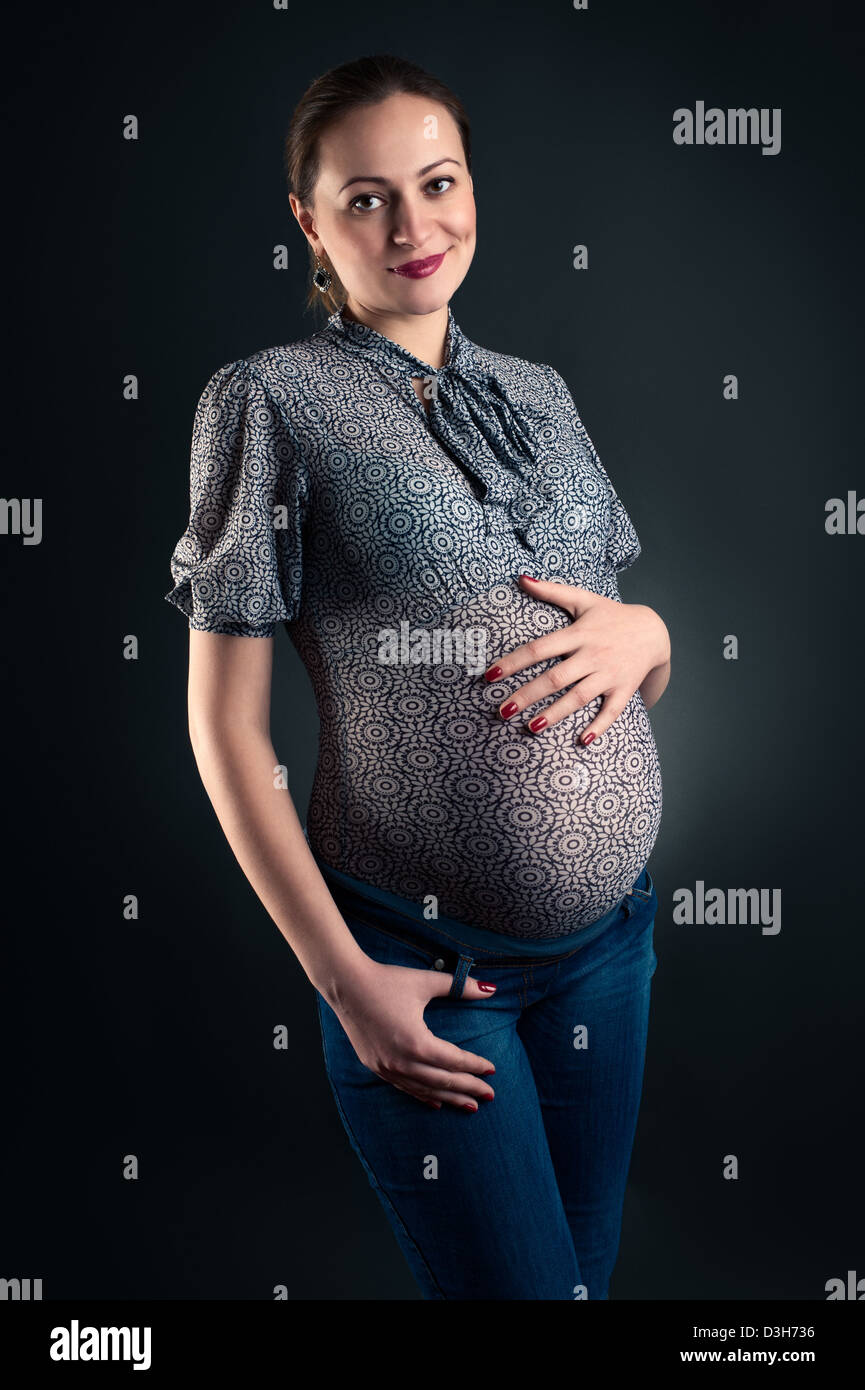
[237, 568]
[623, 543]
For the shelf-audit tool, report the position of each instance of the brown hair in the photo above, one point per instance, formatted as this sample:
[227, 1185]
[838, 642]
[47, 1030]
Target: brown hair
[362, 82]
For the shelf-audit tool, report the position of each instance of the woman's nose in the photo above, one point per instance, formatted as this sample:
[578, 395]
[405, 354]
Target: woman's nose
[411, 226]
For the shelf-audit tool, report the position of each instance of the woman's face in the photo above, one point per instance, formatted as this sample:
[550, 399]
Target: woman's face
[393, 188]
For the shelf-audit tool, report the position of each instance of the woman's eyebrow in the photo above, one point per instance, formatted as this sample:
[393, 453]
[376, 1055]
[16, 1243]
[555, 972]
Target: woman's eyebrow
[376, 178]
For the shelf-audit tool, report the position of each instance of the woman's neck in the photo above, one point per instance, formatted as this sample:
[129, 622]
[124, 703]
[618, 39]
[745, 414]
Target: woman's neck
[423, 335]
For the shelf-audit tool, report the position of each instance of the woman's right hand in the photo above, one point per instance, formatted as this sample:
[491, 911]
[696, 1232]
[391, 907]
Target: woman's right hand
[381, 1010]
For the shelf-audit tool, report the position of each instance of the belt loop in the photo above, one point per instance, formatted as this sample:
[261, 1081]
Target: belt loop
[464, 965]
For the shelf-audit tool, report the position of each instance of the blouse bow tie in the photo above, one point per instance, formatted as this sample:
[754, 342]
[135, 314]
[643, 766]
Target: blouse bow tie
[489, 433]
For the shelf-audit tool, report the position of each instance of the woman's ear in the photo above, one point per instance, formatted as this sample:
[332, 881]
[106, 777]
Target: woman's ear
[305, 221]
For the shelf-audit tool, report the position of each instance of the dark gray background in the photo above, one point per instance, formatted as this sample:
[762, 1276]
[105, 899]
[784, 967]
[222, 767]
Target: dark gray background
[155, 257]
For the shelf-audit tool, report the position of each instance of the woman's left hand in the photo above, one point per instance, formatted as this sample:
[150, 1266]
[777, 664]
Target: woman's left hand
[609, 649]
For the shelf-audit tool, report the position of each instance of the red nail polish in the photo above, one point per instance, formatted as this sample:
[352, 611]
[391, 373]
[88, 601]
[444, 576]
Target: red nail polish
[509, 709]
[586, 739]
[530, 577]
[486, 986]
[494, 674]
[538, 723]
[491, 1072]
[471, 1108]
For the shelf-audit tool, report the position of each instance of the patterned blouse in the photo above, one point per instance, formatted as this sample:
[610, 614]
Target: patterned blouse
[388, 541]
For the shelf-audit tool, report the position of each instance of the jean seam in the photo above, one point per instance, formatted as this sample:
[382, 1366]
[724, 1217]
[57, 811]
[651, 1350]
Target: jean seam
[369, 1168]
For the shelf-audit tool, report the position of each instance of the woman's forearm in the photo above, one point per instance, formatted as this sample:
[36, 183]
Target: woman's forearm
[238, 767]
[655, 684]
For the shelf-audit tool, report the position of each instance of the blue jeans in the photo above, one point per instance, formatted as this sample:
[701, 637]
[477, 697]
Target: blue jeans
[522, 1199]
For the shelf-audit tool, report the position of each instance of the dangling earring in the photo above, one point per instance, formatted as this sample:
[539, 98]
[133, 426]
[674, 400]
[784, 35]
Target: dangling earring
[321, 277]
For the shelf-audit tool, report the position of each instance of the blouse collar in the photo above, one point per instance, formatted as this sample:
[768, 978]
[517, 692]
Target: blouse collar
[489, 429]
[460, 356]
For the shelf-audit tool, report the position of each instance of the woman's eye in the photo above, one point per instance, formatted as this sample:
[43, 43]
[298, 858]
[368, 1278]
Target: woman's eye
[356, 200]
[442, 179]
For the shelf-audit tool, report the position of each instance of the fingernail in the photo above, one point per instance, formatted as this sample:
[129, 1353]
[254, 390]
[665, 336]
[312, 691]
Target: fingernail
[509, 709]
[491, 1072]
[433, 1104]
[486, 986]
[539, 723]
[470, 1108]
[494, 674]
[586, 739]
[530, 577]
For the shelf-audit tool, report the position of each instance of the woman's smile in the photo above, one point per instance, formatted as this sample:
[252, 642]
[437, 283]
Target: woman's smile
[418, 270]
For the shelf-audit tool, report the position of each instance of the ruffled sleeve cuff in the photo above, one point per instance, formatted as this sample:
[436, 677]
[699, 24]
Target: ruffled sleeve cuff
[237, 568]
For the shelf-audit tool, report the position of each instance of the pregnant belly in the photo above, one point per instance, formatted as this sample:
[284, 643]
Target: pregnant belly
[425, 790]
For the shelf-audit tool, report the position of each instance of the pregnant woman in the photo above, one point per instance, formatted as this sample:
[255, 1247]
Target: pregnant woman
[469, 895]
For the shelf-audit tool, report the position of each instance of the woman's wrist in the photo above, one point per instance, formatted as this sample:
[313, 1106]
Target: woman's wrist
[335, 976]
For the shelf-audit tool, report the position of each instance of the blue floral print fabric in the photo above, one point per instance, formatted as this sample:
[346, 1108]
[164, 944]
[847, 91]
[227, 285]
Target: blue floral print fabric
[388, 541]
